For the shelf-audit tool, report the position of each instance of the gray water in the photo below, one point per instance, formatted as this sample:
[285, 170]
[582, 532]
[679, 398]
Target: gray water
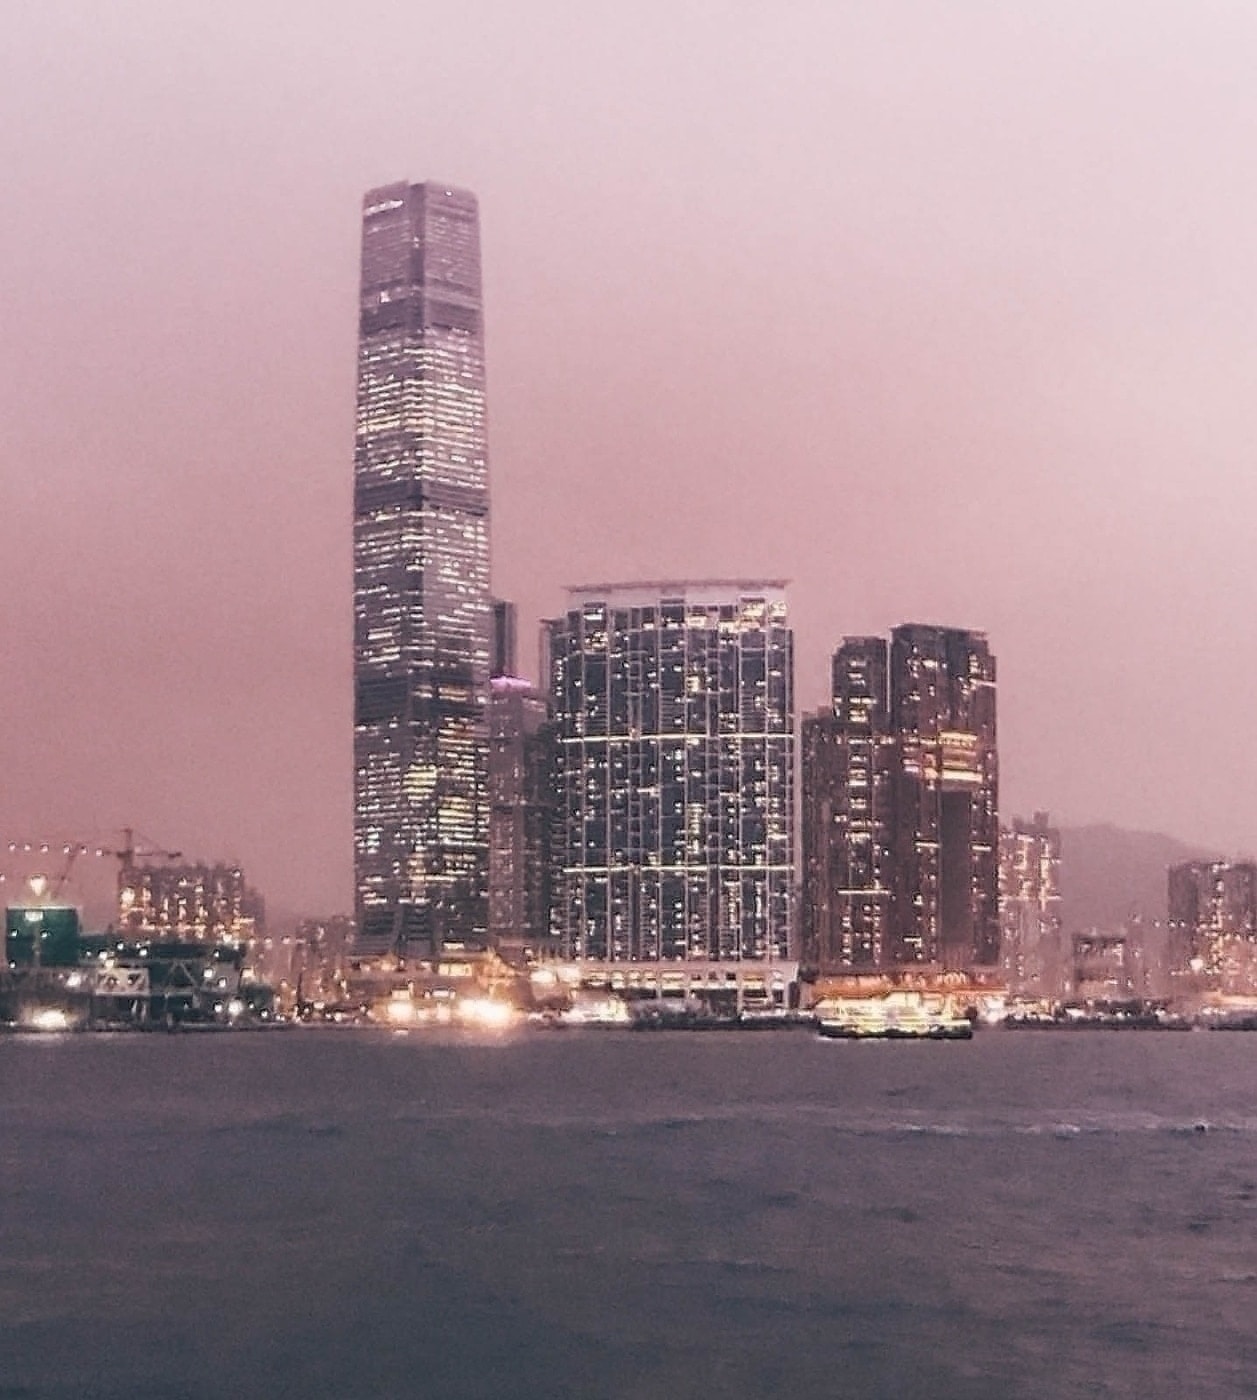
[353, 1214]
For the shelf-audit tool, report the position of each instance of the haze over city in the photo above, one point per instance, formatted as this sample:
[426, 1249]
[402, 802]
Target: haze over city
[942, 311]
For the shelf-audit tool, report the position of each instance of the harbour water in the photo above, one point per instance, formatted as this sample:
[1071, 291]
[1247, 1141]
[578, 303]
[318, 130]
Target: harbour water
[331, 1213]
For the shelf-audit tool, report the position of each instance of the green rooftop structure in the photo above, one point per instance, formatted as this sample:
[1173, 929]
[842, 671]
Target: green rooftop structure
[42, 935]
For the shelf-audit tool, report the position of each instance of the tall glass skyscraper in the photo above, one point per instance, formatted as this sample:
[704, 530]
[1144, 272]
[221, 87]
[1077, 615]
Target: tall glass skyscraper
[423, 615]
[674, 719]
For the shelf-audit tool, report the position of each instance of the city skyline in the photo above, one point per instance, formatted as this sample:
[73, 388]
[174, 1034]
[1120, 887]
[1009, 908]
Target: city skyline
[820, 960]
[989, 371]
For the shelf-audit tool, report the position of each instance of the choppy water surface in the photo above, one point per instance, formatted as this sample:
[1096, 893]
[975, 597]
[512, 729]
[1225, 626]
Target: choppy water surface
[346, 1214]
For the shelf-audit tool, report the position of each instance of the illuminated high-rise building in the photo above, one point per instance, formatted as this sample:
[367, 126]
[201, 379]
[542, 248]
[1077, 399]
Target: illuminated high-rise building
[946, 801]
[674, 715]
[1031, 949]
[900, 810]
[189, 903]
[848, 766]
[422, 608]
[1213, 920]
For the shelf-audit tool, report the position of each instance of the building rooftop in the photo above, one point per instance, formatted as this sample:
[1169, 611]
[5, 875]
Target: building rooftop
[680, 588]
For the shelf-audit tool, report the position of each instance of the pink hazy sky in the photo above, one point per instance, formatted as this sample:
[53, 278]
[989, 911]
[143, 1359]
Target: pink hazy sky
[947, 312]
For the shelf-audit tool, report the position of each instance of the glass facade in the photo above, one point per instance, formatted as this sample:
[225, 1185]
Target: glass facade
[422, 608]
[674, 715]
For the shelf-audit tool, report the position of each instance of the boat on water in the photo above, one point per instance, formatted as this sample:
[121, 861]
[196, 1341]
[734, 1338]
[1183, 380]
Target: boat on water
[898, 1014]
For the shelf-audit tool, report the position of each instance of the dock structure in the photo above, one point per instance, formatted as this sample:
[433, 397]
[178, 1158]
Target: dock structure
[122, 984]
[743, 985]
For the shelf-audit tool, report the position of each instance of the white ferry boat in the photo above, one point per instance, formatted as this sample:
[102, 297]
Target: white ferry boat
[897, 1014]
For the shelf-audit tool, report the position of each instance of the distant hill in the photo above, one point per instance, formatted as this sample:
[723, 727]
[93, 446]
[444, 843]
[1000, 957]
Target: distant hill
[1108, 874]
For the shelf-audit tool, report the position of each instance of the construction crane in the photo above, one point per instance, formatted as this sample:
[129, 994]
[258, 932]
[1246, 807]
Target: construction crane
[127, 854]
[71, 853]
[41, 885]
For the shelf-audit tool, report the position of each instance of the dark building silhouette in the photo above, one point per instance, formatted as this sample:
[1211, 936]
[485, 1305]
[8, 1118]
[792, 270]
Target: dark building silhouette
[674, 716]
[521, 810]
[503, 661]
[900, 805]
[311, 961]
[1103, 967]
[422, 611]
